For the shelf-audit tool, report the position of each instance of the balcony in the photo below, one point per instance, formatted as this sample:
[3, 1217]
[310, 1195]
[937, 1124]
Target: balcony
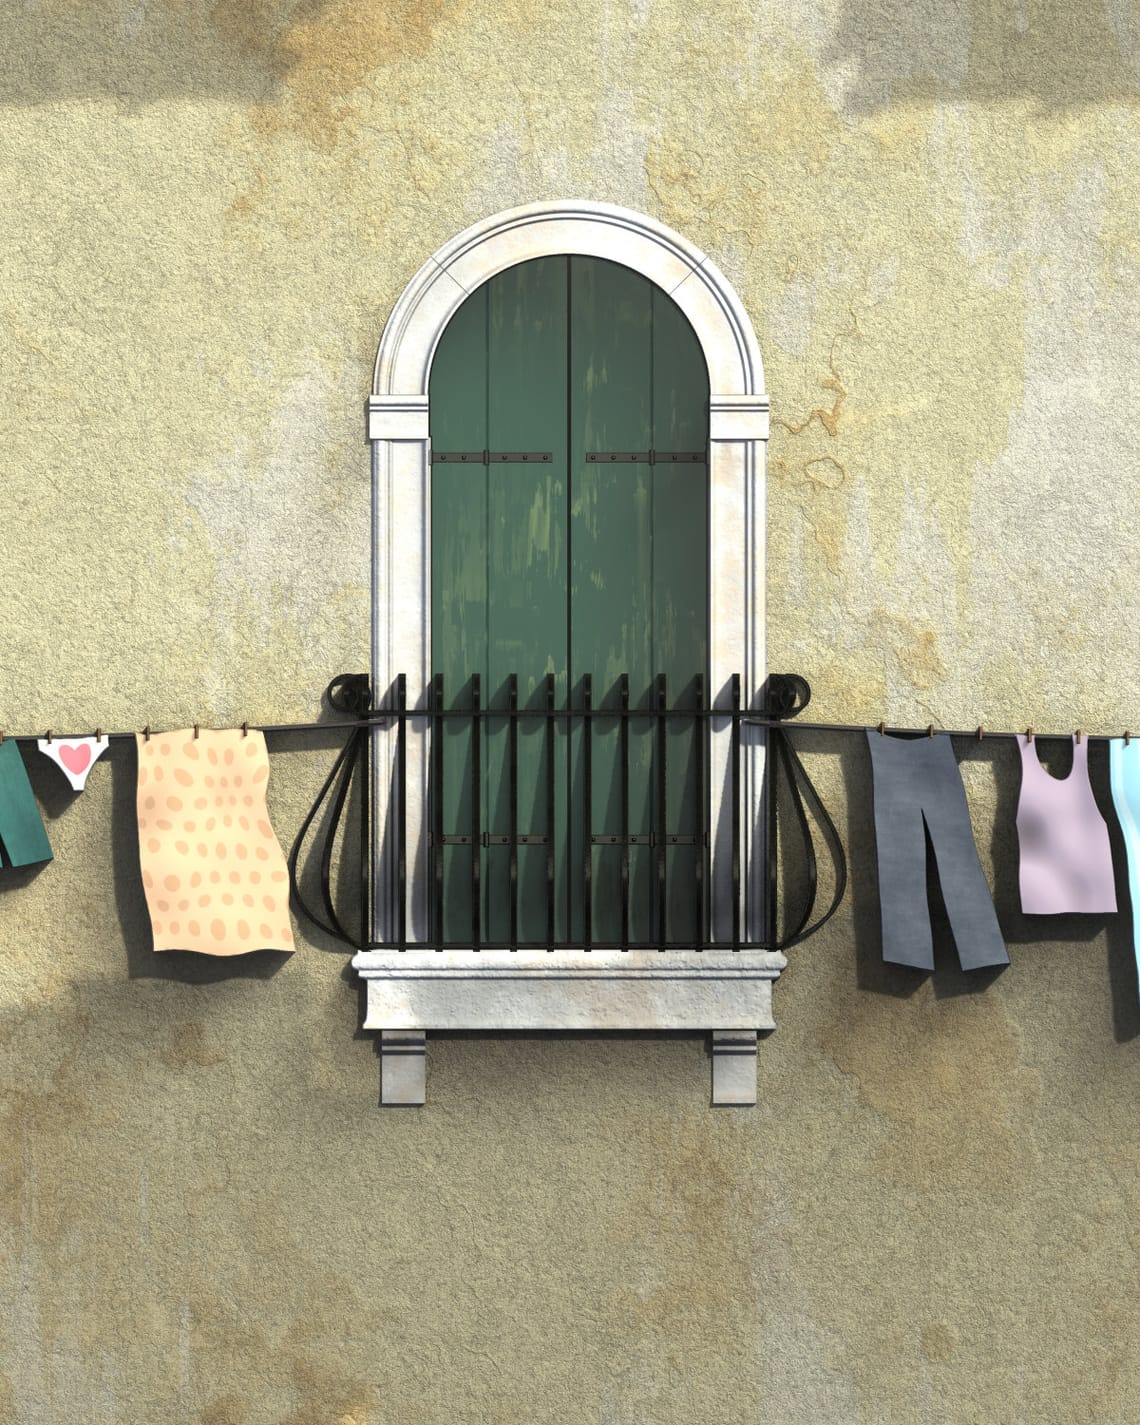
[524, 866]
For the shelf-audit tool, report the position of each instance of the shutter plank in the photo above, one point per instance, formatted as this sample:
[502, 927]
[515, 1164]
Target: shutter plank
[457, 404]
[611, 577]
[527, 609]
[680, 584]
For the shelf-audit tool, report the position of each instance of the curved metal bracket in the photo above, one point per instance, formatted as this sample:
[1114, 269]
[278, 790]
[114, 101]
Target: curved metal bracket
[349, 693]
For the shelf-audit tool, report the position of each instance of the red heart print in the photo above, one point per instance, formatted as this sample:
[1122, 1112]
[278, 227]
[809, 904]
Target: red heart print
[75, 758]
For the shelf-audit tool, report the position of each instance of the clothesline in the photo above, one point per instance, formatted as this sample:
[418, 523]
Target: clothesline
[978, 734]
[382, 715]
[217, 882]
[154, 732]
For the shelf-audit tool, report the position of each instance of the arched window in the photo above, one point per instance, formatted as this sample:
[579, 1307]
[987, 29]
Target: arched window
[582, 337]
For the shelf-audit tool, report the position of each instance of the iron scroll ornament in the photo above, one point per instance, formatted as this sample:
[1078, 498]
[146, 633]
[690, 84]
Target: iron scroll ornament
[786, 695]
[349, 693]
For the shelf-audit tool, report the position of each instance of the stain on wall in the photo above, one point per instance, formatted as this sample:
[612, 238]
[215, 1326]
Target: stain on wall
[207, 211]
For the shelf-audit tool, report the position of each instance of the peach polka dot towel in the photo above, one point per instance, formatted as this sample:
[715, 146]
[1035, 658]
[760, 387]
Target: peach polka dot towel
[214, 876]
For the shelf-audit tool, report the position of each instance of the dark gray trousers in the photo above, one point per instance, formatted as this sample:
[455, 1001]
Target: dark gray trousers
[916, 781]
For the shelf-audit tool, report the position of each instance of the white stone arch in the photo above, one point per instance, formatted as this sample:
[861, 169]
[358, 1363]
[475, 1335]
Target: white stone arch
[397, 424]
[427, 304]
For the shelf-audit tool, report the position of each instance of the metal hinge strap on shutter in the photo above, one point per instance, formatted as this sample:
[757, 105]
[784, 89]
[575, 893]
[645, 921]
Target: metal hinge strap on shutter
[488, 457]
[649, 457]
[488, 838]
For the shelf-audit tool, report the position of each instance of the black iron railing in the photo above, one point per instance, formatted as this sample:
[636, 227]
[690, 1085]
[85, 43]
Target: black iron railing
[669, 901]
[576, 884]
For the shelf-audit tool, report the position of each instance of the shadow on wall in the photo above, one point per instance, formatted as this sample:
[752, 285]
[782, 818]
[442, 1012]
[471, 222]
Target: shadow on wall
[139, 52]
[295, 782]
[1053, 52]
[130, 902]
[1026, 936]
[145, 51]
[191, 968]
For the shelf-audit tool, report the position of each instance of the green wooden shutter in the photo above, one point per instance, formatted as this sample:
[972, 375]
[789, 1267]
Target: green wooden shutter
[569, 567]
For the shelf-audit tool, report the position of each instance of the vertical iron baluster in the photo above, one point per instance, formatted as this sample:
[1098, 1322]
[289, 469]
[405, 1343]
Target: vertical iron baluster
[736, 811]
[623, 753]
[699, 858]
[476, 773]
[550, 811]
[402, 816]
[365, 735]
[661, 897]
[587, 812]
[437, 837]
[773, 846]
[513, 756]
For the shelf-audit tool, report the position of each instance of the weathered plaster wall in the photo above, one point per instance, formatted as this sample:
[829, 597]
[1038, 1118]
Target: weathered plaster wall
[206, 214]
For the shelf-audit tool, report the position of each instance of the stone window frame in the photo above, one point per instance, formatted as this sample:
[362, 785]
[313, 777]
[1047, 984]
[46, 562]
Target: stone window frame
[717, 989]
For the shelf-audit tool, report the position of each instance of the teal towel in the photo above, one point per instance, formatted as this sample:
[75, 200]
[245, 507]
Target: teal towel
[21, 826]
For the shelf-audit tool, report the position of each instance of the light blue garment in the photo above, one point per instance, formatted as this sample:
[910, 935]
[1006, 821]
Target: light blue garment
[1124, 778]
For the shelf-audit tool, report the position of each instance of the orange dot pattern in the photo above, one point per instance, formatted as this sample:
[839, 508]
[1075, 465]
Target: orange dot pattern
[237, 879]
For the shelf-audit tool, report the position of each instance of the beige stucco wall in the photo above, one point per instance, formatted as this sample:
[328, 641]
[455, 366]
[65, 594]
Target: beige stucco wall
[206, 214]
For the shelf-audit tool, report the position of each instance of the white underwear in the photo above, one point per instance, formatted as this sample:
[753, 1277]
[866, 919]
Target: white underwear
[74, 757]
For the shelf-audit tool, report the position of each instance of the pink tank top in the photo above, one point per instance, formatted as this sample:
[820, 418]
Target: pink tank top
[1066, 860]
